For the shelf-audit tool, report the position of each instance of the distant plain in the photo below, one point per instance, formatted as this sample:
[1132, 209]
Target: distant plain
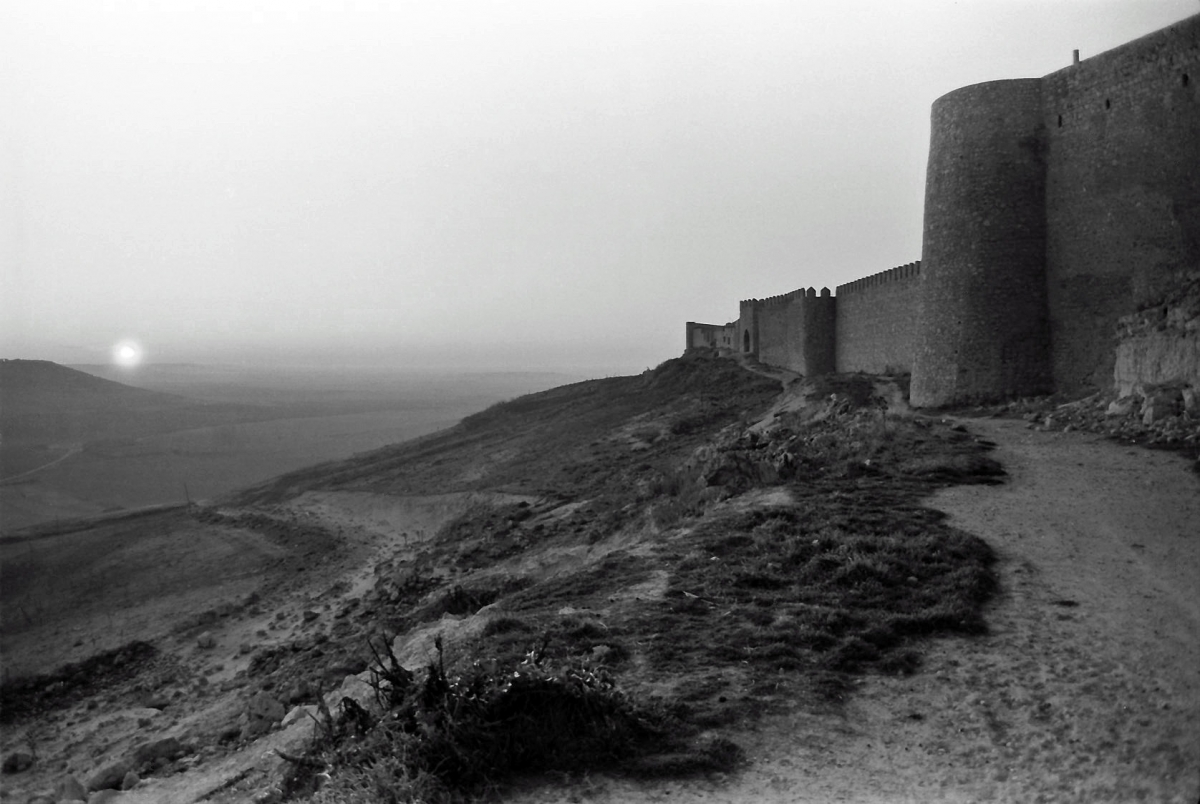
[219, 429]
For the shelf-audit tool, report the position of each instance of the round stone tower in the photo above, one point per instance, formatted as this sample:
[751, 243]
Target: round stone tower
[982, 329]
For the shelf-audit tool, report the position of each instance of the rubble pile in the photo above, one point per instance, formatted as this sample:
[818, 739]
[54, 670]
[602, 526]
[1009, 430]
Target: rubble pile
[1166, 415]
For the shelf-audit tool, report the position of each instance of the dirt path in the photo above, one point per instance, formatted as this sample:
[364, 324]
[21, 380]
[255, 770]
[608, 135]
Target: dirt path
[1087, 689]
[73, 449]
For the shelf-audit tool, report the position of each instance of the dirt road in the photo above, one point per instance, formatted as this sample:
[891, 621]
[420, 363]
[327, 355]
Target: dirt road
[1087, 688]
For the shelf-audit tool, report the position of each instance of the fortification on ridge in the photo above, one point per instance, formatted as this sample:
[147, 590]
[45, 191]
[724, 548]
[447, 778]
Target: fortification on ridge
[1059, 212]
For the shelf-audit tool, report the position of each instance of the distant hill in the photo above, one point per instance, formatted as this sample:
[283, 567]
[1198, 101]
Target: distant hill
[42, 402]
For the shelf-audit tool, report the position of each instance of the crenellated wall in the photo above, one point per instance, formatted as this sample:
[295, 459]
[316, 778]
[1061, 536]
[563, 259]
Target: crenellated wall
[876, 321]
[1061, 243]
[794, 330]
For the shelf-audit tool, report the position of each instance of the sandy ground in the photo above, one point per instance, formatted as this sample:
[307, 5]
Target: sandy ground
[1087, 688]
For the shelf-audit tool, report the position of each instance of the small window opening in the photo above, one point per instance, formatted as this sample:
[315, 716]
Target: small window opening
[746, 341]
[1185, 79]
[1107, 103]
[1060, 121]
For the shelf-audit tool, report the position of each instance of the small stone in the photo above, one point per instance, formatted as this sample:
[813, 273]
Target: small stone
[108, 777]
[1155, 409]
[1190, 399]
[262, 712]
[206, 640]
[298, 713]
[157, 700]
[166, 748]
[130, 781]
[17, 761]
[70, 789]
[310, 615]
[1120, 407]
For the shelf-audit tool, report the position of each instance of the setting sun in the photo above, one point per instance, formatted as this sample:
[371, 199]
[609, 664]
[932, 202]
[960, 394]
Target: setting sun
[127, 354]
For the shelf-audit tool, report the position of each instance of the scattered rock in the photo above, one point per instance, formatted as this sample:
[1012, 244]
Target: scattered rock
[109, 777]
[261, 714]
[166, 748]
[1147, 414]
[1120, 407]
[1160, 405]
[298, 713]
[310, 615]
[156, 700]
[206, 641]
[130, 781]
[17, 762]
[1189, 399]
[70, 789]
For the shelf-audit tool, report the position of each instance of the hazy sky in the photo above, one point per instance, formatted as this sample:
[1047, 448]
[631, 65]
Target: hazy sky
[467, 184]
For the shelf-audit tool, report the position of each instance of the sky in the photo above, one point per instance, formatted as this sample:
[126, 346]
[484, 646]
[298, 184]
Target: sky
[469, 185]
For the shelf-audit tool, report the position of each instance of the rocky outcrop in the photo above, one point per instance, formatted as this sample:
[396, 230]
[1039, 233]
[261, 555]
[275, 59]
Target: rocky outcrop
[1160, 343]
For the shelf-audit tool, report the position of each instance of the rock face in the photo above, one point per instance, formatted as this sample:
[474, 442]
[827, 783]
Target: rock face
[1160, 343]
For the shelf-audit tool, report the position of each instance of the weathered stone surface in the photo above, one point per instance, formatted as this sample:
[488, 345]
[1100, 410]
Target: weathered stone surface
[1160, 404]
[298, 713]
[130, 781]
[206, 640]
[17, 762]
[166, 748]
[1121, 407]
[262, 712]
[70, 789]
[108, 777]
[1190, 399]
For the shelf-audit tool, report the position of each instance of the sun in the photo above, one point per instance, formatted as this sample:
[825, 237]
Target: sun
[127, 354]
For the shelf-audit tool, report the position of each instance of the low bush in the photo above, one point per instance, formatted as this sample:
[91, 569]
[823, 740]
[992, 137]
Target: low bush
[446, 738]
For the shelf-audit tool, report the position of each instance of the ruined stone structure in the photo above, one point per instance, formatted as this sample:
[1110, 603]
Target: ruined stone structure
[1061, 246]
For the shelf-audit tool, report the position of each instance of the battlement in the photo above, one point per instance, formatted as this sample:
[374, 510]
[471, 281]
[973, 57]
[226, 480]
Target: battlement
[1053, 207]
[786, 298]
[901, 273]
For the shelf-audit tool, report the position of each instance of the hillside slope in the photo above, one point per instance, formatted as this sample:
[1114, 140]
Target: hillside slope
[42, 402]
[670, 557]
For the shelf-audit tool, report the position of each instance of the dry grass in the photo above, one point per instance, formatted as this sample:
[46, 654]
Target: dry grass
[846, 573]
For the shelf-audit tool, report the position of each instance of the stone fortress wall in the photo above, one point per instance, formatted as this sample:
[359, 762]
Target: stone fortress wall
[875, 323]
[1059, 212]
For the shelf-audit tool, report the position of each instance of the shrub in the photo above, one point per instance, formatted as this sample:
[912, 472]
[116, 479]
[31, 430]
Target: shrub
[448, 738]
